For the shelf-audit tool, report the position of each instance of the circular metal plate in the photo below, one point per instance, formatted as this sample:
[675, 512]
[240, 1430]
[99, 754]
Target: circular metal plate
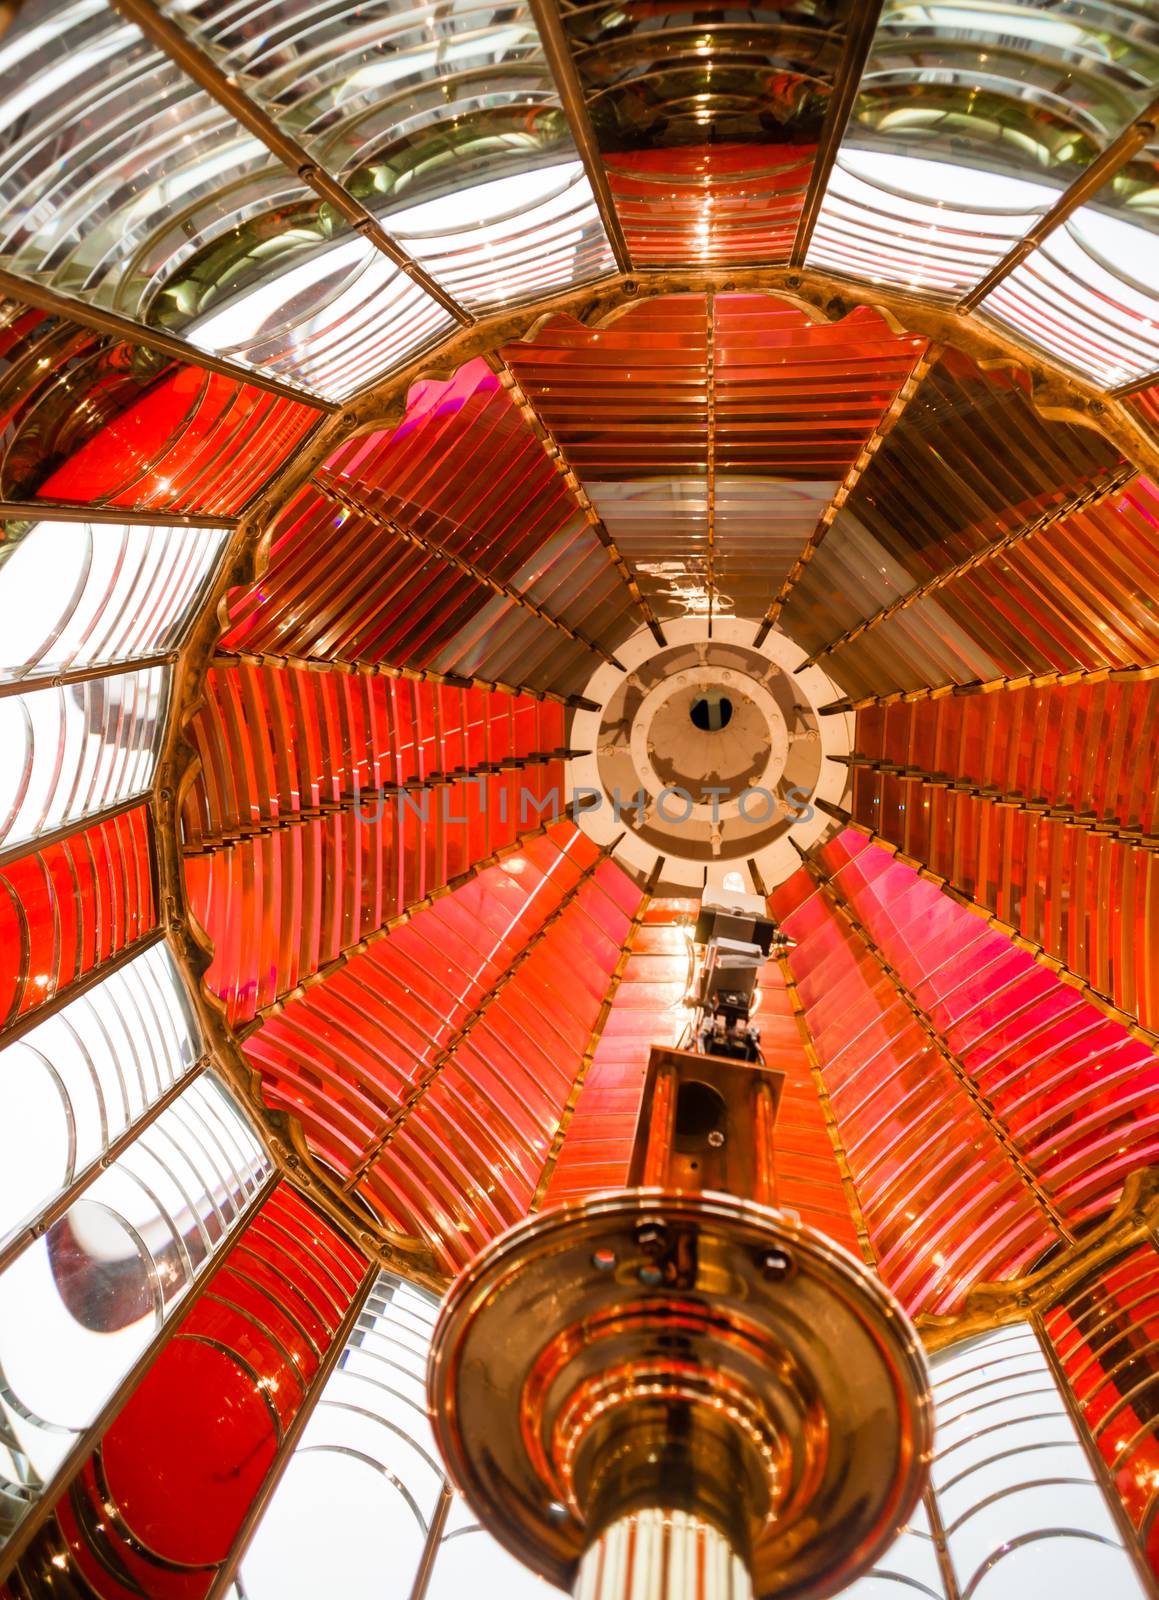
[741, 1296]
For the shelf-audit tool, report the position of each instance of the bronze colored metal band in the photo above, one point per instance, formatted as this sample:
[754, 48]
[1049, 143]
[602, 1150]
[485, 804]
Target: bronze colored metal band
[1103, 1002]
[170, 38]
[375, 669]
[223, 838]
[831, 888]
[555, 454]
[65, 511]
[1040, 680]
[557, 50]
[99, 320]
[1083, 500]
[103, 669]
[431, 1545]
[53, 1212]
[1104, 827]
[86, 1442]
[291, 1438]
[1116, 155]
[1148, 1581]
[998, 1305]
[888, 421]
[860, 28]
[832, 1126]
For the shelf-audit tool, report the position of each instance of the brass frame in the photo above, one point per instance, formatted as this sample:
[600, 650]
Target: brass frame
[561, 64]
[997, 1305]
[554, 452]
[202, 70]
[30, 293]
[597, 1033]
[1056, 394]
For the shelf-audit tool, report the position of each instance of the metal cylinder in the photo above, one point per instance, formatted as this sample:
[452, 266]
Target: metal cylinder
[662, 1555]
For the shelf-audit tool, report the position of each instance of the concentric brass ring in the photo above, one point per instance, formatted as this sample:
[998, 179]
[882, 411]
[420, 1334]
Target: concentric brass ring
[691, 1352]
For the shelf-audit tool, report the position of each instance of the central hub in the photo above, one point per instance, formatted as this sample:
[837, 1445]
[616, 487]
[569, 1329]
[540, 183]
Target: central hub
[710, 753]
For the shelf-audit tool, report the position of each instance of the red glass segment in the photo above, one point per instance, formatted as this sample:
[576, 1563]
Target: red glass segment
[792, 401]
[942, 1201]
[1027, 791]
[465, 472]
[299, 843]
[151, 433]
[1105, 1335]
[72, 905]
[720, 203]
[157, 1507]
[431, 1070]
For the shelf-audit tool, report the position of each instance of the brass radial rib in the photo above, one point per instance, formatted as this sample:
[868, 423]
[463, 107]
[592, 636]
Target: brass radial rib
[832, 1126]
[351, 952]
[86, 1440]
[342, 497]
[863, 20]
[106, 669]
[1104, 827]
[212, 840]
[376, 669]
[1065, 974]
[1082, 500]
[88, 1174]
[97, 320]
[62, 511]
[554, 452]
[917, 374]
[831, 889]
[1116, 155]
[1125, 390]
[710, 460]
[51, 836]
[207, 75]
[1040, 680]
[561, 62]
[597, 1033]
[1098, 1465]
[443, 1058]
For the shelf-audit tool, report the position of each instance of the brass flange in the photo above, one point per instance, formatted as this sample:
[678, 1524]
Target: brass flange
[691, 1352]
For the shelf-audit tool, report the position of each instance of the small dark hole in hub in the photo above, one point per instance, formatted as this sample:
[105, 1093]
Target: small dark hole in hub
[700, 1111]
[710, 712]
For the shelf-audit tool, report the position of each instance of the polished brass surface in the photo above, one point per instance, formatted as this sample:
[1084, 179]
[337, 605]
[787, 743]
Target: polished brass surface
[557, 50]
[701, 1353]
[994, 1305]
[705, 1123]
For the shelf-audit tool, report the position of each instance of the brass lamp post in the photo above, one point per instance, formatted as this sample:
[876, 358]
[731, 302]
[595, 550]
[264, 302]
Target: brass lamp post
[675, 1391]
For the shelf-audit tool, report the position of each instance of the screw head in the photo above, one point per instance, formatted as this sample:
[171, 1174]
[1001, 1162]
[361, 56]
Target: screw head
[716, 1138]
[776, 1265]
[652, 1236]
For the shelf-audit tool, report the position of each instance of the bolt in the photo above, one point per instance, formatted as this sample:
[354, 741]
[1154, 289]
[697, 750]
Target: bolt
[776, 1265]
[716, 1138]
[652, 1236]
